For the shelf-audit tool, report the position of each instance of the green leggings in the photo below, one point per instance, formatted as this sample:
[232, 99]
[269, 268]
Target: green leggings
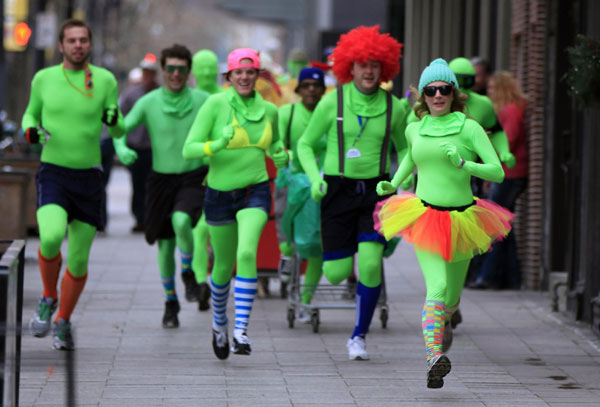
[237, 241]
[182, 226]
[370, 255]
[200, 259]
[52, 222]
[444, 281]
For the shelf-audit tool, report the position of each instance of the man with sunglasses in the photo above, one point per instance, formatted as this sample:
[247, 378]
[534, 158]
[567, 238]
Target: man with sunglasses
[298, 217]
[69, 104]
[359, 120]
[175, 193]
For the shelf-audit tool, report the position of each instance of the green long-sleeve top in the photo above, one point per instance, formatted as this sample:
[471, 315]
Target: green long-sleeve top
[440, 182]
[71, 114]
[480, 108]
[168, 116]
[300, 121]
[242, 162]
[363, 127]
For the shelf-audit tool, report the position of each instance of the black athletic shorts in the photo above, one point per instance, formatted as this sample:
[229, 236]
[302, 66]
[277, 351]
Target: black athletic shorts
[168, 193]
[347, 215]
[79, 192]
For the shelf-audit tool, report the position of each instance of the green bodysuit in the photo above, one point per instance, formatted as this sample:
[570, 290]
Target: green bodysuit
[372, 109]
[300, 221]
[480, 108]
[242, 162]
[60, 105]
[168, 117]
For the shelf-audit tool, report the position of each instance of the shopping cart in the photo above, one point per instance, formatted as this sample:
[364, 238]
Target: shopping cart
[327, 296]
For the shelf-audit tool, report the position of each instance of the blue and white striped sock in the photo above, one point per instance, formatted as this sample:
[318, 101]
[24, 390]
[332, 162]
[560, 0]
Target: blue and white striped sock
[219, 295]
[243, 293]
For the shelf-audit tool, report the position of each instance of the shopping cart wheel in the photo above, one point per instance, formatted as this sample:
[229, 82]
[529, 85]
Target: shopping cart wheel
[314, 321]
[291, 316]
[383, 316]
[283, 290]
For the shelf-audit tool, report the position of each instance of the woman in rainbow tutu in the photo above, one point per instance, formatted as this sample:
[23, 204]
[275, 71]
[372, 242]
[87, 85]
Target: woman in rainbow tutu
[444, 221]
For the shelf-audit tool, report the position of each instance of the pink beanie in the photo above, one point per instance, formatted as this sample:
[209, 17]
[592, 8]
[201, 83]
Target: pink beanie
[237, 55]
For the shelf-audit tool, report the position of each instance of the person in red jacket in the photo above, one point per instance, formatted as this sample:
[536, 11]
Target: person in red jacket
[500, 267]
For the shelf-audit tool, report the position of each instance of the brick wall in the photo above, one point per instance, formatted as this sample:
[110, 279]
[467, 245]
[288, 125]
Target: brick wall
[528, 42]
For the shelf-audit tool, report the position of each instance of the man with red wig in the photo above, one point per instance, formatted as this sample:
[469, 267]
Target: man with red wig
[359, 119]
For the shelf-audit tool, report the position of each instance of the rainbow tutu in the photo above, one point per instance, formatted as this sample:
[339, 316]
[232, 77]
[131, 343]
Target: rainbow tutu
[453, 234]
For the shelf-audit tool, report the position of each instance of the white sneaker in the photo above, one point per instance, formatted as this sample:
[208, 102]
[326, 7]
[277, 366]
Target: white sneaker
[304, 315]
[357, 349]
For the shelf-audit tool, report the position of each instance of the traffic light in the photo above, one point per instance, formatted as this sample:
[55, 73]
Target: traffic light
[22, 34]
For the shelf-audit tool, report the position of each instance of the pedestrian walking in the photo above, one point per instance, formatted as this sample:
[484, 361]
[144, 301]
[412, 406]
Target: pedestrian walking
[175, 191]
[71, 101]
[235, 129]
[139, 140]
[300, 216]
[359, 119]
[500, 267]
[442, 219]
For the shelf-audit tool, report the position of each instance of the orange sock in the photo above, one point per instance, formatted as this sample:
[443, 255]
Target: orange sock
[70, 289]
[49, 269]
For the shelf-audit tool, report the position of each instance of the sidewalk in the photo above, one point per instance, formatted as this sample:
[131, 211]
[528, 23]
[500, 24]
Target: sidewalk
[509, 351]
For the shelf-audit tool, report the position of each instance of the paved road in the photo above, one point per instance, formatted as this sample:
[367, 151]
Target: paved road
[510, 351]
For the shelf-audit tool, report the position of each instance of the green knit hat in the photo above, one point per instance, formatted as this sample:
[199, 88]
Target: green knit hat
[437, 70]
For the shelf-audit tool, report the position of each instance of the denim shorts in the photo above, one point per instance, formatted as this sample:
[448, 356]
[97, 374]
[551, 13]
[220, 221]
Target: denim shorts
[220, 207]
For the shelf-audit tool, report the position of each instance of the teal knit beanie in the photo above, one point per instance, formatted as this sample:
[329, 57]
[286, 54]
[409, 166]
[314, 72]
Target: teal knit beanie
[438, 70]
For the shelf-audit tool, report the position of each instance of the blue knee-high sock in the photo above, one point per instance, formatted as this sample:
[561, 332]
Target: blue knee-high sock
[244, 293]
[186, 261]
[366, 302]
[219, 295]
[169, 287]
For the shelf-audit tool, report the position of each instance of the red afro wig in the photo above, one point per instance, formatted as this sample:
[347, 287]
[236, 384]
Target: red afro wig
[361, 45]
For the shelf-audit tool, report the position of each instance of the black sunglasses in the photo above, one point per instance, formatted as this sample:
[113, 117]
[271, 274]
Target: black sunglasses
[465, 81]
[445, 90]
[182, 69]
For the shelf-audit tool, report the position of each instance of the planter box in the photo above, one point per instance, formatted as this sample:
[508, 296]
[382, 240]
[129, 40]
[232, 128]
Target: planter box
[14, 185]
[30, 165]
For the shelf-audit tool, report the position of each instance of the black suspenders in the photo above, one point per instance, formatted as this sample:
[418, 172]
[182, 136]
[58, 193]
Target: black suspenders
[289, 127]
[340, 132]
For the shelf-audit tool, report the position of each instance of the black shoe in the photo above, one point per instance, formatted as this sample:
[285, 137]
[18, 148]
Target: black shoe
[456, 318]
[220, 344]
[478, 285]
[137, 228]
[192, 290]
[242, 347]
[439, 367]
[203, 297]
[170, 319]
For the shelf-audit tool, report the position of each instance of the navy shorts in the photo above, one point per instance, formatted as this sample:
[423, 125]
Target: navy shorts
[220, 207]
[79, 192]
[347, 215]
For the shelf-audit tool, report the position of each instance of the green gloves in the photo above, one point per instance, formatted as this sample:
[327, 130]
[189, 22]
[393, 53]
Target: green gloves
[318, 189]
[126, 155]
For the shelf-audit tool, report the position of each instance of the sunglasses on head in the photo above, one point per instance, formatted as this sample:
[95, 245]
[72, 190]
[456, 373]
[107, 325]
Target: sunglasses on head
[445, 90]
[182, 69]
